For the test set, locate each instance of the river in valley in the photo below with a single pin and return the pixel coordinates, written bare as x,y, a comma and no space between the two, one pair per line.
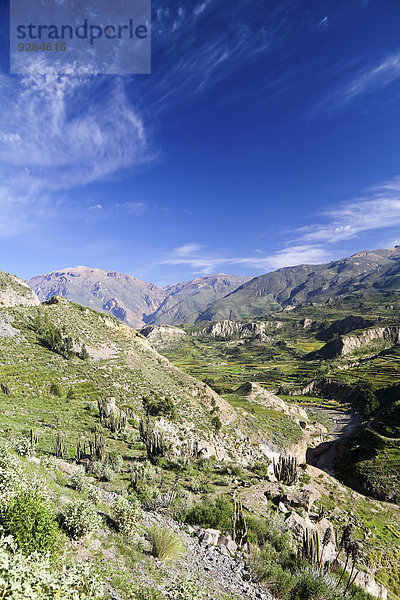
339,424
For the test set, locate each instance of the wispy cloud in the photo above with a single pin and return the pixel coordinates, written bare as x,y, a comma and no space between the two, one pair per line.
201,260
319,242
52,139
378,209
367,80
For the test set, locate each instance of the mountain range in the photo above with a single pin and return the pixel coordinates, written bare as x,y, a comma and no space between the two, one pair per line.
220,296
133,301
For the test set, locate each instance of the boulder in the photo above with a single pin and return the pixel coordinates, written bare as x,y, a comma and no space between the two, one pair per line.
210,537
110,406
303,499
297,526
68,468
370,585
227,542
282,508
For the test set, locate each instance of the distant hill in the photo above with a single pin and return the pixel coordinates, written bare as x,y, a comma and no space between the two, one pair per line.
376,271
186,300
131,300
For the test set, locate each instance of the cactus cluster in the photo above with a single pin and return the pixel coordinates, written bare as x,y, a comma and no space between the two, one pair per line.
310,547
154,440
5,389
285,470
239,525
116,422
60,444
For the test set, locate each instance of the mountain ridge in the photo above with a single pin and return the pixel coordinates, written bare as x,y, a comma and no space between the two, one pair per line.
132,300
365,271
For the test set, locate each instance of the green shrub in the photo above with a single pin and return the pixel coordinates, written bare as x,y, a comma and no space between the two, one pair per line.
117,462
31,522
271,529
80,518
216,423
166,545
79,481
159,406
11,473
312,585
55,389
37,578
182,504
212,515
94,494
108,473
126,514
23,446
184,589
267,568
261,470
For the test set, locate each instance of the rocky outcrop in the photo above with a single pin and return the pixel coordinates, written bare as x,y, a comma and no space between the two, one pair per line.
256,393
15,292
224,330
377,338
162,336
344,326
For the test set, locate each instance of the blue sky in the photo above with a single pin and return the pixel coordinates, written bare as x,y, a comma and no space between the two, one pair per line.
267,135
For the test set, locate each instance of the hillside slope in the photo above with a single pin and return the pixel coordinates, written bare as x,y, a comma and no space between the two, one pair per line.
15,292
376,271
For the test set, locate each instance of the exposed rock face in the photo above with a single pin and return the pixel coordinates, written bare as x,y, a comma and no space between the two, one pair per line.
256,393
226,329
162,336
15,292
344,326
370,585
345,345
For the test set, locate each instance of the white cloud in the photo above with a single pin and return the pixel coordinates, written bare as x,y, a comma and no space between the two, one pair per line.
197,258
54,137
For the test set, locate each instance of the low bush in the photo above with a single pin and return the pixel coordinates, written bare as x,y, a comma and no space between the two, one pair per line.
184,589
108,473
159,406
261,470
116,462
268,568
126,514
37,578
23,446
166,545
31,522
312,585
80,518
212,515
11,473
79,481
182,504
